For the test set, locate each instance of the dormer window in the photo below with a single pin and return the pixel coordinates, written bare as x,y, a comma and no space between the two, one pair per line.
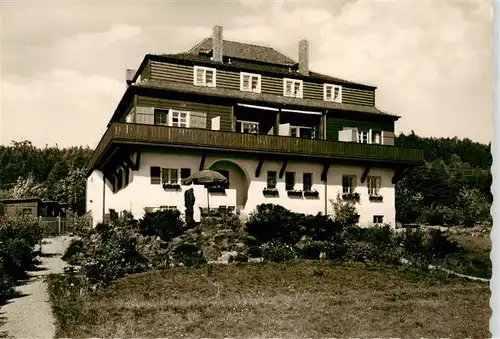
250,82
292,88
204,76
332,93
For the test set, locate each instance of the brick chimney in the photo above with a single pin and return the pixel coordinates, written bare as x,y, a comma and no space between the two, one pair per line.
304,57
130,75
217,44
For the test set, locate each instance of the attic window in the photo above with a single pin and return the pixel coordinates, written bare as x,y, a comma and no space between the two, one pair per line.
332,93
204,76
250,82
292,88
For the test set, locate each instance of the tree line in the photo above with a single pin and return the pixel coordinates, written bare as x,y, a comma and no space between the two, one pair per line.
451,187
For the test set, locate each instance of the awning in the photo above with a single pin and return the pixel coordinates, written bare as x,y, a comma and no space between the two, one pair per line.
259,107
299,111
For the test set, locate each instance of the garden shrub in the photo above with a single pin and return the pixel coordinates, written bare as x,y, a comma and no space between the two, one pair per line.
188,255
189,200
254,252
345,211
311,250
74,249
6,283
278,252
166,224
319,227
273,223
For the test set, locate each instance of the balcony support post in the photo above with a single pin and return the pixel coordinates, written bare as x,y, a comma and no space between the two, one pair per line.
259,167
277,123
202,161
283,168
324,173
365,174
399,174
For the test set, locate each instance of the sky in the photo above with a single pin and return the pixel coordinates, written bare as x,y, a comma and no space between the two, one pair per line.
63,63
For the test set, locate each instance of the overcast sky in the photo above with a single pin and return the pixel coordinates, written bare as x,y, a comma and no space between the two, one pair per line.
63,63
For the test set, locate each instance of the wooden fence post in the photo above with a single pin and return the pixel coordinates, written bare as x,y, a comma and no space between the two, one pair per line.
59,225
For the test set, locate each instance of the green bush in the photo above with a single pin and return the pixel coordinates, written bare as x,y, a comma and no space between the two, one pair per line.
345,211
6,283
166,224
188,255
277,252
189,200
273,223
312,250
75,248
254,252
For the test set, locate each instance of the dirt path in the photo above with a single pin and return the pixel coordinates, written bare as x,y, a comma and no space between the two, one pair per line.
30,316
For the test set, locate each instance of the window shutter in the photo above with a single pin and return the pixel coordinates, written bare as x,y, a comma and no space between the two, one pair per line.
185,172
155,175
198,120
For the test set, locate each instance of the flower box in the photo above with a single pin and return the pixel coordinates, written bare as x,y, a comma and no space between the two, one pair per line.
351,196
376,198
312,193
270,191
171,186
294,193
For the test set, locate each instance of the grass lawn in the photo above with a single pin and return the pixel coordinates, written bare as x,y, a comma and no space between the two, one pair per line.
292,300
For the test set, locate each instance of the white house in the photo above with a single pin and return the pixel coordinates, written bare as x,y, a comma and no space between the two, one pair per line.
279,132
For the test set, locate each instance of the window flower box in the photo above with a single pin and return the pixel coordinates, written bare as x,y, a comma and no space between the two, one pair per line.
376,198
216,189
294,193
270,191
311,193
171,186
351,196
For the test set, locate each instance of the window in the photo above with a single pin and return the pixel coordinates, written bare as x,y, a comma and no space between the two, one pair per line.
292,88
289,181
247,127
271,179
169,175
376,137
161,117
307,181
179,119
348,184
27,211
204,76
155,175
378,219
302,132
373,185
226,174
185,173
363,137
332,93
250,82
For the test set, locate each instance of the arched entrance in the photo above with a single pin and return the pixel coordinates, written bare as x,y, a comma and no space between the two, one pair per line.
237,179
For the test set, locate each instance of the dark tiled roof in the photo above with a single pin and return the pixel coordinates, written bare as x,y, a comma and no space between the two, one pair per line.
269,99
276,70
233,49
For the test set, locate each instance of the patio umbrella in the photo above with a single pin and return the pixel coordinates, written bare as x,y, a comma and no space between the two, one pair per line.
207,177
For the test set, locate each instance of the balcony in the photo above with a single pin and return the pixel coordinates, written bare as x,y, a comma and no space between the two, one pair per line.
151,135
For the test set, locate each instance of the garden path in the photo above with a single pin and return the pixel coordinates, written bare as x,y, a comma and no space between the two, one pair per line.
30,315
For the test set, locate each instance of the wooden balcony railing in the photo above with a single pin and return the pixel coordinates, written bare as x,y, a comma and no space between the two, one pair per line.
208,139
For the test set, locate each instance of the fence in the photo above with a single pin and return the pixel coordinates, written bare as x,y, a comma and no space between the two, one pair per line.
64,225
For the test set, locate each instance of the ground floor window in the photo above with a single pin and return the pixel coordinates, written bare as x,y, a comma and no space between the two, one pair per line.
373,186
307,181
289,181
185,173
169,175
348,184
271,179
378,219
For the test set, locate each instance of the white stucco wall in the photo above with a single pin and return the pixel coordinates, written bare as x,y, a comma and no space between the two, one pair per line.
140,193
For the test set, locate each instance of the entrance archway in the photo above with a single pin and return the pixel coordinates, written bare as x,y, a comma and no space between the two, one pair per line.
237,179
